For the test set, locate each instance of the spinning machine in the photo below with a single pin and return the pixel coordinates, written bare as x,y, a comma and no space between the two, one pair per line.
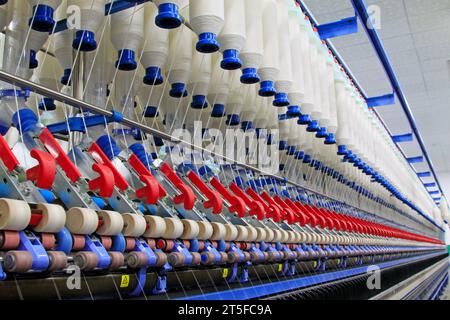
102,197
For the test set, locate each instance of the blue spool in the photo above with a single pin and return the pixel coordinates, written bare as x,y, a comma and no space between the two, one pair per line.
313,126
66,78
267,89
233,120
24,119
207,43
322,133
231,60
283,145
218,111
199,102
42,19
247,125
126,61
305,119
293,112
85,40
109,146
47,104
281,100
178,90
151,112
34,63
168,16
153,76
250,76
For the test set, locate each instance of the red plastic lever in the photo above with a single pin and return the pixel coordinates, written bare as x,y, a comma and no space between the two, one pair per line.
275,213
256,208
187,196
214,200
45,172
236,203
151,190
104,183
60,156
101,158
7,156
298,213
137,165
289,215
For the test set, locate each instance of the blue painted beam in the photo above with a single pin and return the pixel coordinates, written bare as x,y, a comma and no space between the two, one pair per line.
403,138
424,174
386,100
361,10
262,290
430,185
413,160
339,28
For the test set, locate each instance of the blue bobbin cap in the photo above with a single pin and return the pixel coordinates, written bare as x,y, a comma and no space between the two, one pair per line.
307,158
304,120
85,40
109,146
153,76
178,90
199,102
231,60
283,145
299,155
42,19
250,76
34,63
25,119
168,16
270,139
207,43
218,111
158,141
267,89
151,112
330,139
247,125
281,100
126,61
2,2
342,150
139,150
322,133
47,104
292,150
281,167
66,78
313,126
233,120
293,112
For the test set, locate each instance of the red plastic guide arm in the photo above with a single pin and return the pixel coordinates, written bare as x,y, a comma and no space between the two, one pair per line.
43,174
7,156
256,208
237,204
187,196
214,200
104,184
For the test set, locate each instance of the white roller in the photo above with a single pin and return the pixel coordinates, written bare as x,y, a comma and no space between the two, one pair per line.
14,214
233,36
53,218
269,235
207,20
231,232
82,221
252,234
261,234
190,229
219,231
127,36
156,226
134,225
242,233
174,228
205,230
156,48
112,223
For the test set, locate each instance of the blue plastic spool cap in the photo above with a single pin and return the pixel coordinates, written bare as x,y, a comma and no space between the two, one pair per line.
158,141
2,2
126,61
47,195
178,90
307,158
139,150
42,19
66,78
231,60
342,150
270,139
247,125
292,150
283,145
47,104
299,155
109,146
250,76
330,139
24,119
168,16
233,120
313,126
218,111
151,112
322,133
267,89
85,40
34,63
282,166
304,120
199,102
293,112
207,43
153,76
281,100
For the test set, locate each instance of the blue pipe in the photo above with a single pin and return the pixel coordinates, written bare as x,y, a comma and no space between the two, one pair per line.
361,10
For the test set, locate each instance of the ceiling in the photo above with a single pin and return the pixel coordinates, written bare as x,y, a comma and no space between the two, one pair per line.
416,36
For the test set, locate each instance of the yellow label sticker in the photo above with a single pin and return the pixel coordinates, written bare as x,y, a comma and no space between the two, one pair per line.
315,264
225,273
125,282
280,267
